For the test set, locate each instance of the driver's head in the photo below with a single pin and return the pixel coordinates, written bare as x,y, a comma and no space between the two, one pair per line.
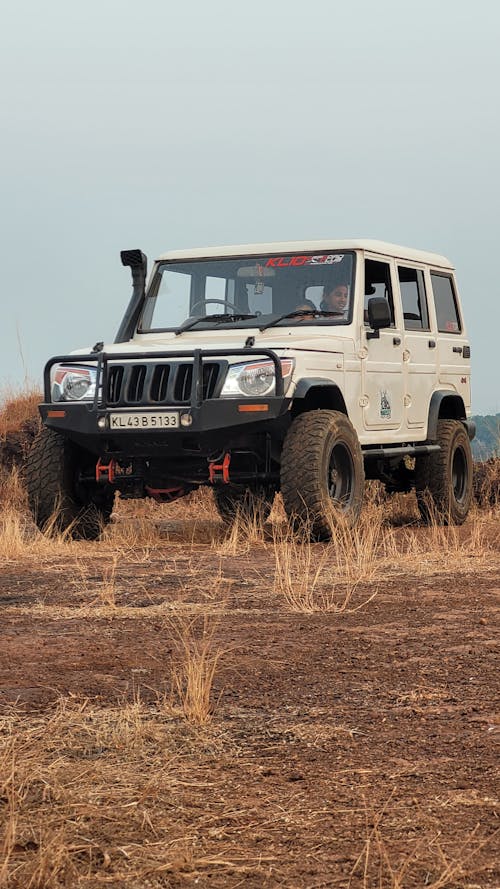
306,307
335,299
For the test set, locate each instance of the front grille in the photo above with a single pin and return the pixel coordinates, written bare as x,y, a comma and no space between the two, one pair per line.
114,384
135,388
165,383
159,382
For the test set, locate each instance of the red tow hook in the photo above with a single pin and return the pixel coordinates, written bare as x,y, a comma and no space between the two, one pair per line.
223,468
105,472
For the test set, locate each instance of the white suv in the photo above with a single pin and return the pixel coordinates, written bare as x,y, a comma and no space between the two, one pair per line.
301,367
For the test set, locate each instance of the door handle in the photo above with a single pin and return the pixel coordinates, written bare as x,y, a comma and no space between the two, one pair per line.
458,349
432,344
396,341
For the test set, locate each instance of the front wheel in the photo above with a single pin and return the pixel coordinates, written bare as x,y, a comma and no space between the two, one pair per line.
55,498
322,472
443,480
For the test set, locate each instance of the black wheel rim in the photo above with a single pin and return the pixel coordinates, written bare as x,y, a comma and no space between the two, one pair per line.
459,475
341,476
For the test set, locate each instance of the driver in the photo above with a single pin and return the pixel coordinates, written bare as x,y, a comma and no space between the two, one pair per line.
305,306
335,299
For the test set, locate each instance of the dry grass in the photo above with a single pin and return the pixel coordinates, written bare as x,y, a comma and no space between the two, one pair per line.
126,796
327,578
378,866
138,793
244,533
17,407
81,784
311,577
102,592
21,540
487,482
196,660
12,491
169,785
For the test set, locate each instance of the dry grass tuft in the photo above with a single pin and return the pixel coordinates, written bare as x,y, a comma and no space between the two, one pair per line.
311,577
487,482
104,591
12,491
244,532
20,538
17,535
196,659
437,548
16,408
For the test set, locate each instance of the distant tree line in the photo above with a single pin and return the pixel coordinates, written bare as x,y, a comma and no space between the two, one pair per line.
487,441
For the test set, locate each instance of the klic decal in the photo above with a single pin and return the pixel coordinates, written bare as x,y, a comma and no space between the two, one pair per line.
285,262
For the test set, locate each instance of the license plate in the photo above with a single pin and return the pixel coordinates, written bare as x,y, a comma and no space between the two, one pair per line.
144,420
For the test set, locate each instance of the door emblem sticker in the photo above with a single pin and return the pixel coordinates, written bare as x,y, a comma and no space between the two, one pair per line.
385,405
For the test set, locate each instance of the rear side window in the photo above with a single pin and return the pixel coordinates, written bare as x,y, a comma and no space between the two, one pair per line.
448,318
413,298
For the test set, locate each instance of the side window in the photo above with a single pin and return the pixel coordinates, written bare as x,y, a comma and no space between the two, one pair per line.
378,283
413,298
448,319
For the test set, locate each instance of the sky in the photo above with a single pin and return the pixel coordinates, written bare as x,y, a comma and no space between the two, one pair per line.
165,125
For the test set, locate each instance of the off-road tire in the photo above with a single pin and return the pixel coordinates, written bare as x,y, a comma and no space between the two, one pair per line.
57,505
443,480
252,504
322,472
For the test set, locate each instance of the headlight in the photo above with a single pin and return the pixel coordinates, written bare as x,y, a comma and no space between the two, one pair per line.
72,382
255,379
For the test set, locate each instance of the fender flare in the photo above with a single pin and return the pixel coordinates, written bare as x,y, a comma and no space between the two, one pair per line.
307,384
455,410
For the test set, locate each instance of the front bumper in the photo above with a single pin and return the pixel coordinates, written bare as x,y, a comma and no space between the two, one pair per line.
215,423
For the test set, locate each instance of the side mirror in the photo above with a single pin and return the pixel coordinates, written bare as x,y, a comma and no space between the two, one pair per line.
379,314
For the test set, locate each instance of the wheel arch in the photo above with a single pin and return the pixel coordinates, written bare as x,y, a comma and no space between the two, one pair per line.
446,405
315,393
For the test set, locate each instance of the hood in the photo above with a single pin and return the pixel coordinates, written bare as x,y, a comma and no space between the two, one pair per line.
284,339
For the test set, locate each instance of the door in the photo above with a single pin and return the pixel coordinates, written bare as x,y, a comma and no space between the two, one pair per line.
420,346
452,343
382,364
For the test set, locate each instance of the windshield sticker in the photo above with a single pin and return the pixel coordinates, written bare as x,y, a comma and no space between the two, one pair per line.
284,262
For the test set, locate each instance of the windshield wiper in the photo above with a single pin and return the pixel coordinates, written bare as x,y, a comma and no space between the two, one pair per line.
314,313
228,316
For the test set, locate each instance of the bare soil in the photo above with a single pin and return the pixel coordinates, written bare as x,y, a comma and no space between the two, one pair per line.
354,749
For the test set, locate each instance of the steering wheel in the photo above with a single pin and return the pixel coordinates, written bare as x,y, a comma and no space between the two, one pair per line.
221,302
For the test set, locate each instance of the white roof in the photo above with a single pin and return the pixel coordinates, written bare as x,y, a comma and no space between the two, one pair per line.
282,247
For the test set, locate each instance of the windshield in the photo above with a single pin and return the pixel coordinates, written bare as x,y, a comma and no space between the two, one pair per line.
261,287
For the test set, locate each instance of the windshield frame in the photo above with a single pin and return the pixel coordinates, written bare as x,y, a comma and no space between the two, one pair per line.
249,323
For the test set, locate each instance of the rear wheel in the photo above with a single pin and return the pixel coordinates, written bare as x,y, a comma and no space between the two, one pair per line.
248,503
322,472
443,480
56,499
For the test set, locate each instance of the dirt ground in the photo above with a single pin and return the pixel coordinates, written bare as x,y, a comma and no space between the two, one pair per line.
352,747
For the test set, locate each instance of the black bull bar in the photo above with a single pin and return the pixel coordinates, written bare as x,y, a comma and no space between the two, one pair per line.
101,361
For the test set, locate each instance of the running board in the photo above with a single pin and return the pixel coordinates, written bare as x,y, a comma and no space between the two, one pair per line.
400,451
